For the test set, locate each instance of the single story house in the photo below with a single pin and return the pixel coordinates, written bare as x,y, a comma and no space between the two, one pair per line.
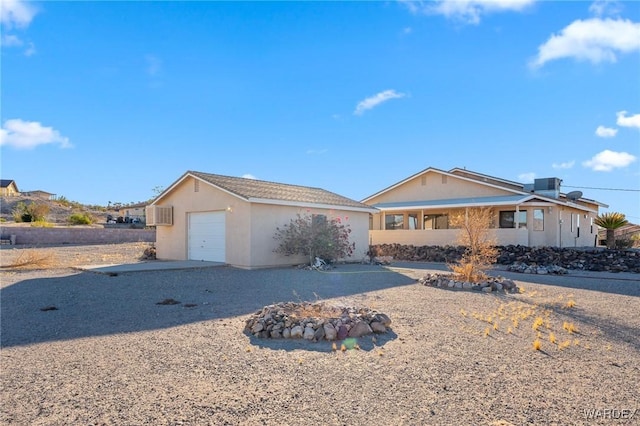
204,216
417,209
8,188
133,212
38,193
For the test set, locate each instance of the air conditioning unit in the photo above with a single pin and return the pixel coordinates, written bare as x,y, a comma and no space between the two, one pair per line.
549,187
159,216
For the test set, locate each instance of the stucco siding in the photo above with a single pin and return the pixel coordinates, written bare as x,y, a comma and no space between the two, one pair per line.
172,240
265,218
435,188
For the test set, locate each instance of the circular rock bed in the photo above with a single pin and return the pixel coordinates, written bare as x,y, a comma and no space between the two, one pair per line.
315,322
487,286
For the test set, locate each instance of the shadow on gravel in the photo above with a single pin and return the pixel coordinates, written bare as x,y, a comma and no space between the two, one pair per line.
88,304
364,343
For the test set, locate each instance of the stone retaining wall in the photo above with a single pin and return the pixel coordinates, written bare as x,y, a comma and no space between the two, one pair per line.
73,235
569,258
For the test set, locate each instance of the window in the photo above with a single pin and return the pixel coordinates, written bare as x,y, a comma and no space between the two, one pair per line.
436,221
318,219
508,219
394,221
413,220
538,219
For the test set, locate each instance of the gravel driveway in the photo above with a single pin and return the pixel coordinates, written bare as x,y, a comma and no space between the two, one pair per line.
109,354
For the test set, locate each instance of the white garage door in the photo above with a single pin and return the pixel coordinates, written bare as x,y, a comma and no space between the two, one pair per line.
207,236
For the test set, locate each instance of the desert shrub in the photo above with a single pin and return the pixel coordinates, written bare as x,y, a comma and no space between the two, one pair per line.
623,243
480,251
80,219
315,236
31,212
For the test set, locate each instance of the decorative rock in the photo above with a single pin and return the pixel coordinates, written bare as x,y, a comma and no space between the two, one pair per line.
284,321
458,284
309,333
378,327
319,334
330,333
275,334
360,329
467,286
296,332
343,332
486,289
382,318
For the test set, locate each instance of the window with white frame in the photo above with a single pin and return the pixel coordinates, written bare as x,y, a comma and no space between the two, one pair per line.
393,221
509,219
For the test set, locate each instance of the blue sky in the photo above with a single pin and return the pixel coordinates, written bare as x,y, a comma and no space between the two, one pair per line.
105,101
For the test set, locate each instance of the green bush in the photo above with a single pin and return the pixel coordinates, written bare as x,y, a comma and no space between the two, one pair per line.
80,219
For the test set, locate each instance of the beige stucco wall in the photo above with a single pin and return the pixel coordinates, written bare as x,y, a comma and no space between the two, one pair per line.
265,218
435,189
250,227
171,241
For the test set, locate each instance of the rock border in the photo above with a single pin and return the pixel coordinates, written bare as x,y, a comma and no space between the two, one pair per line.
491,284
281,321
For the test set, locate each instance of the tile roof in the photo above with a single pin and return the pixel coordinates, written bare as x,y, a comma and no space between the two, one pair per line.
4,183
251,189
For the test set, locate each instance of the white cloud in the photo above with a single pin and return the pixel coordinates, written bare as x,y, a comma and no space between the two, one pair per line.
29,134
596,40
16,13
30,50
377,99
565,165
248,176
467,11
630,121
407,30
607,160
605,7
606,132
527,177
9,40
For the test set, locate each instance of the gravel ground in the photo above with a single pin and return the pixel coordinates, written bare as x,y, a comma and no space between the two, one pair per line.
109,354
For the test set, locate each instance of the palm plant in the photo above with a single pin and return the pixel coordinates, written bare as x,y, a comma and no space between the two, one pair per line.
611,221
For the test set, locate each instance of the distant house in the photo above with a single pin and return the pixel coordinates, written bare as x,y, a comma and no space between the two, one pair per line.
8,188
40,194
133,212
626,232
233,220
417,209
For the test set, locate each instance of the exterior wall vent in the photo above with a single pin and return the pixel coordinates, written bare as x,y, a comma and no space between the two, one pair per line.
159,216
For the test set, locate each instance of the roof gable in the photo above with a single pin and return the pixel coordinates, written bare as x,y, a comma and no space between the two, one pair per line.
260,191
492,184
5,183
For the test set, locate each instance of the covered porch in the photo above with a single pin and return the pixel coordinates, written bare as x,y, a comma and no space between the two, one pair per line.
428,222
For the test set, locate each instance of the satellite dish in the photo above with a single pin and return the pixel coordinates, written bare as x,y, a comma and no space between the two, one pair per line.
574,195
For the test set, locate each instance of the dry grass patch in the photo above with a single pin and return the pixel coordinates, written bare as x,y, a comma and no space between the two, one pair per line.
33,259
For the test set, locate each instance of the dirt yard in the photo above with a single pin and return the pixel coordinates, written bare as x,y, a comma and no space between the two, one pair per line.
86,348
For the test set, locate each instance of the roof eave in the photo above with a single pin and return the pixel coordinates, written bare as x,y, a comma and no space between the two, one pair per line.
371,210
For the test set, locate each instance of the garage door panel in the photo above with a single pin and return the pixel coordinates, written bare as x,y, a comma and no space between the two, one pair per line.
207,237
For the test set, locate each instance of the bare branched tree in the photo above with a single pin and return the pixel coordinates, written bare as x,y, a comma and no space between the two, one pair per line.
480,253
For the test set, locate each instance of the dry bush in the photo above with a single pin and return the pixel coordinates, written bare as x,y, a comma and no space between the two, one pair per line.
480,251
33,259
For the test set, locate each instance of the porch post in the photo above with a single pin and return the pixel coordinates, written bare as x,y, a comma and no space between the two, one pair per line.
517,216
